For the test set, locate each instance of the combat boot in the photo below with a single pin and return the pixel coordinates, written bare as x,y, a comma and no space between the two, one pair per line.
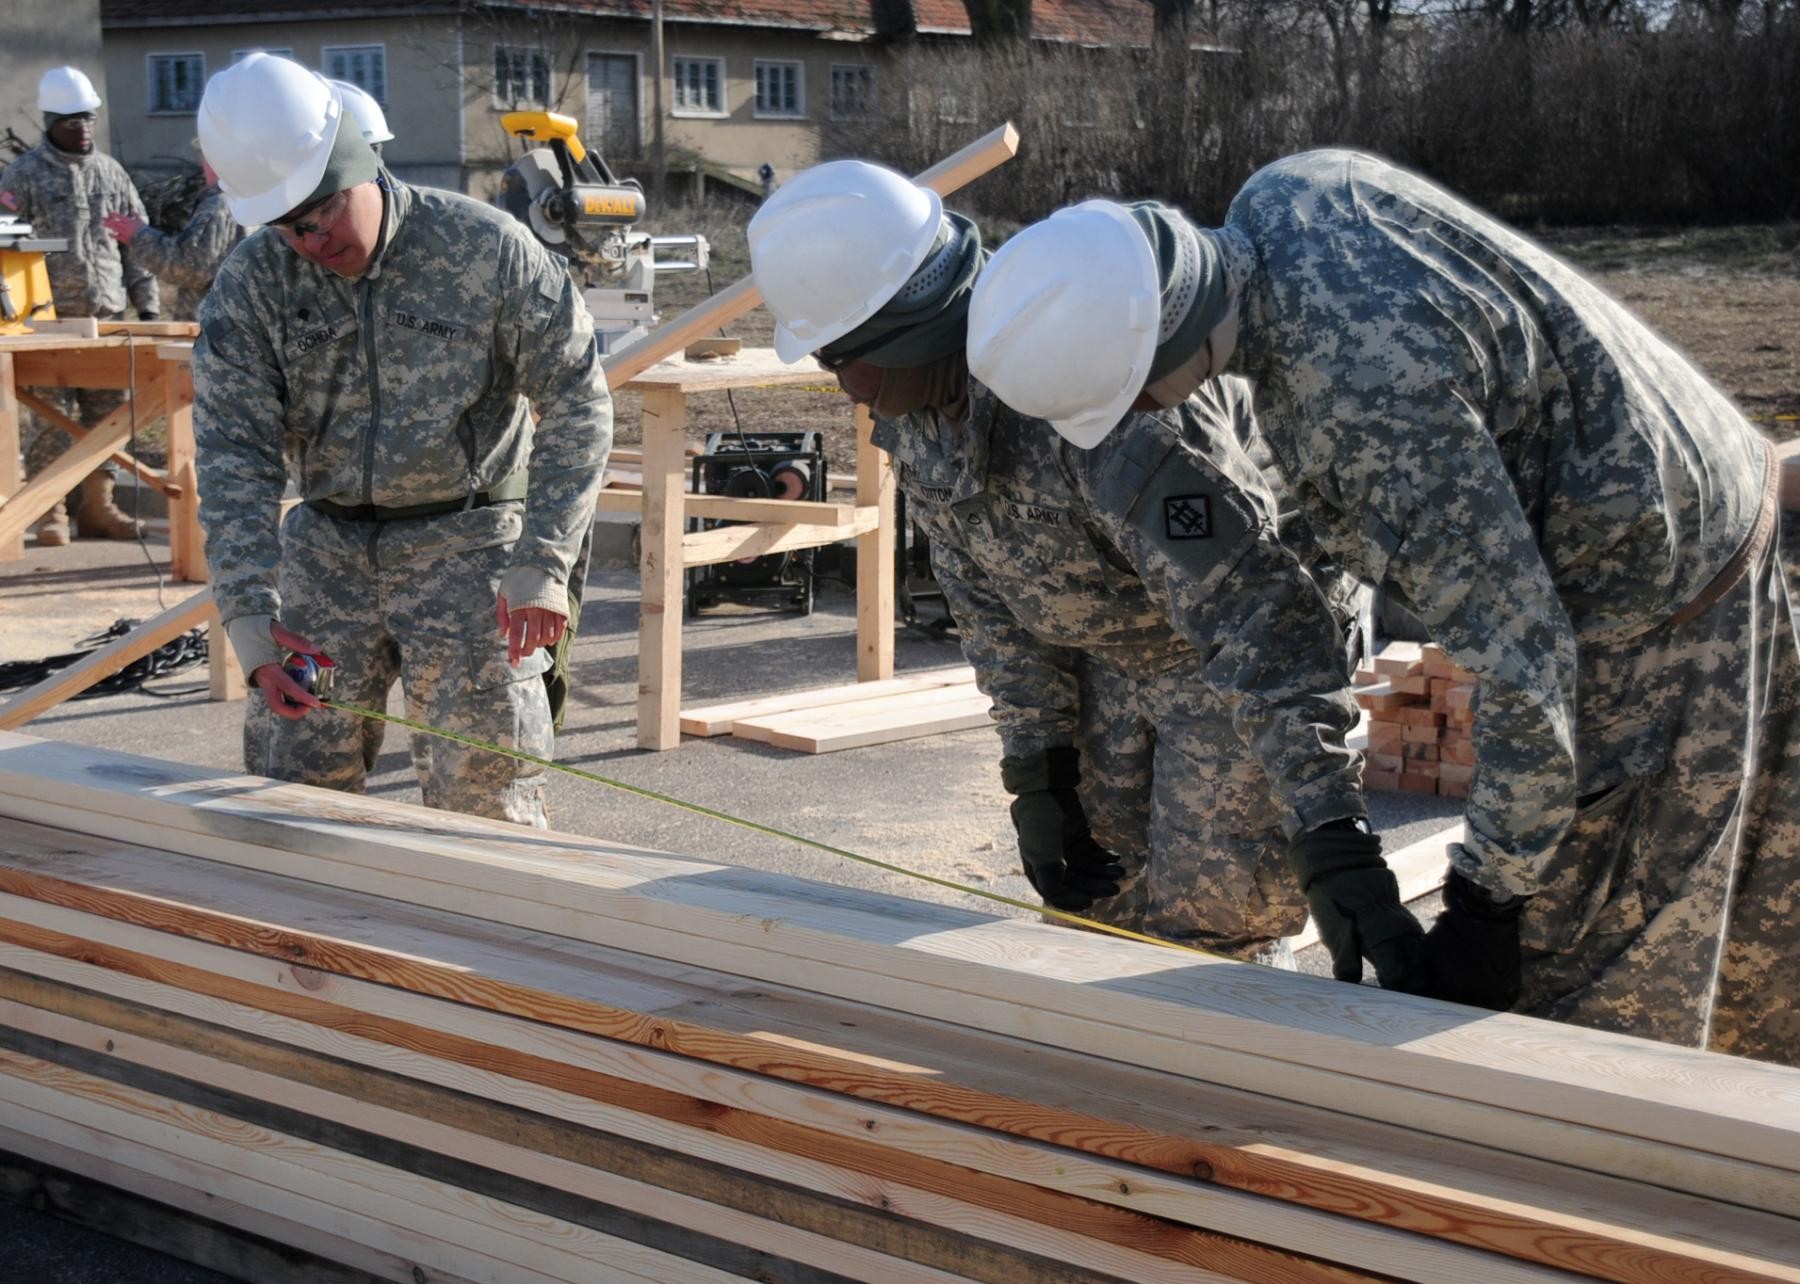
53,529
99,517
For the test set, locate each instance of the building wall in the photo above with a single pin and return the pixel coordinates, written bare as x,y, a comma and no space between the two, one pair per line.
736,138
421,61
441,104
36,36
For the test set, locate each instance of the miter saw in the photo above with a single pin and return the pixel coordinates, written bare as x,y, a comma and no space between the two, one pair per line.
24,280
574,205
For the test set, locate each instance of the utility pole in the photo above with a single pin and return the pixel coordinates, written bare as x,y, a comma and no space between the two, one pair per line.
658,161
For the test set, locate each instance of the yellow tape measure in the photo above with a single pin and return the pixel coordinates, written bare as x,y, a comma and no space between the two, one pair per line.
1074,920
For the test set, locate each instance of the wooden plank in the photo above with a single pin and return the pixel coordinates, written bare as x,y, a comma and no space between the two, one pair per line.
232,1238
875,589
153,329
729,543
187,541
195,1190
70,327
108,660
78,430
782,1125
949,175
172,1158
1242,1025
647,1182
855,710
1473,1196
733,509
873,722
660,573
12,547
514,1236
43,492
716,719
1419,867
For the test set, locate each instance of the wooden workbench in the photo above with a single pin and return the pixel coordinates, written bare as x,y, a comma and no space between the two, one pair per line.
771,526
147,360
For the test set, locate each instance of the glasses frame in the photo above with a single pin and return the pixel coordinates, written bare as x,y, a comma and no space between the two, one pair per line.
301,223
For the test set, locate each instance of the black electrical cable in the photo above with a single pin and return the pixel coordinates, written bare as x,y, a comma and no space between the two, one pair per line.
172,657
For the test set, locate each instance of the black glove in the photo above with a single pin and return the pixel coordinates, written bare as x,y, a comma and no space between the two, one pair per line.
149,316
1355,900
1472,951
1069,869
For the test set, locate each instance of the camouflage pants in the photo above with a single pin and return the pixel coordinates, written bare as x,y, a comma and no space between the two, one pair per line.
412,601
1170,788
1672,908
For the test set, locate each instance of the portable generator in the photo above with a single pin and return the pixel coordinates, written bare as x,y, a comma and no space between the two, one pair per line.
767,465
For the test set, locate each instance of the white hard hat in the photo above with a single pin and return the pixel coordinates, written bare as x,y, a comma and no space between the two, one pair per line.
1063,323
66,91
266,127
834,244
366,111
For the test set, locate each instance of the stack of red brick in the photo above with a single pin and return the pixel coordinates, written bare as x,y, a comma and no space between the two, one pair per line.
1421,713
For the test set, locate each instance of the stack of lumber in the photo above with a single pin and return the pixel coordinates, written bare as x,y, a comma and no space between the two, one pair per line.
1421,719
434,1047
851,716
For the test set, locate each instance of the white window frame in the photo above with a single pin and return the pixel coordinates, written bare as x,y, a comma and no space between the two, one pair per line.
325,52
527,104
637,57
867,71
697,113
238,55
150,60
756,108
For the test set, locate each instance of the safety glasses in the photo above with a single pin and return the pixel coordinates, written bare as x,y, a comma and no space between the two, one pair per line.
315,219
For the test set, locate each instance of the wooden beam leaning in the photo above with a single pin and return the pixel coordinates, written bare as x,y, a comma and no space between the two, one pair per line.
78,430
41,493
108,660
1455,1191
1686,1120
951,174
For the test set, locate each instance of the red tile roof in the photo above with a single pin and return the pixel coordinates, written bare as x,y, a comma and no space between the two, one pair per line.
1085,22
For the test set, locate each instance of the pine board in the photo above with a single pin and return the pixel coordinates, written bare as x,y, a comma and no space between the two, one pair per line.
1234,1023
1117,1212
871,722
716,719
73,1108
429,1131
969,1203
1472,1197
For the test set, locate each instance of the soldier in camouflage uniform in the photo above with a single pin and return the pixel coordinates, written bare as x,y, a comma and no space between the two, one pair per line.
1580,518
1168,682
190,258
386,345
64,189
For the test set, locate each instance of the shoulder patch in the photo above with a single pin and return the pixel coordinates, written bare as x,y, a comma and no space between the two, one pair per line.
1187,516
